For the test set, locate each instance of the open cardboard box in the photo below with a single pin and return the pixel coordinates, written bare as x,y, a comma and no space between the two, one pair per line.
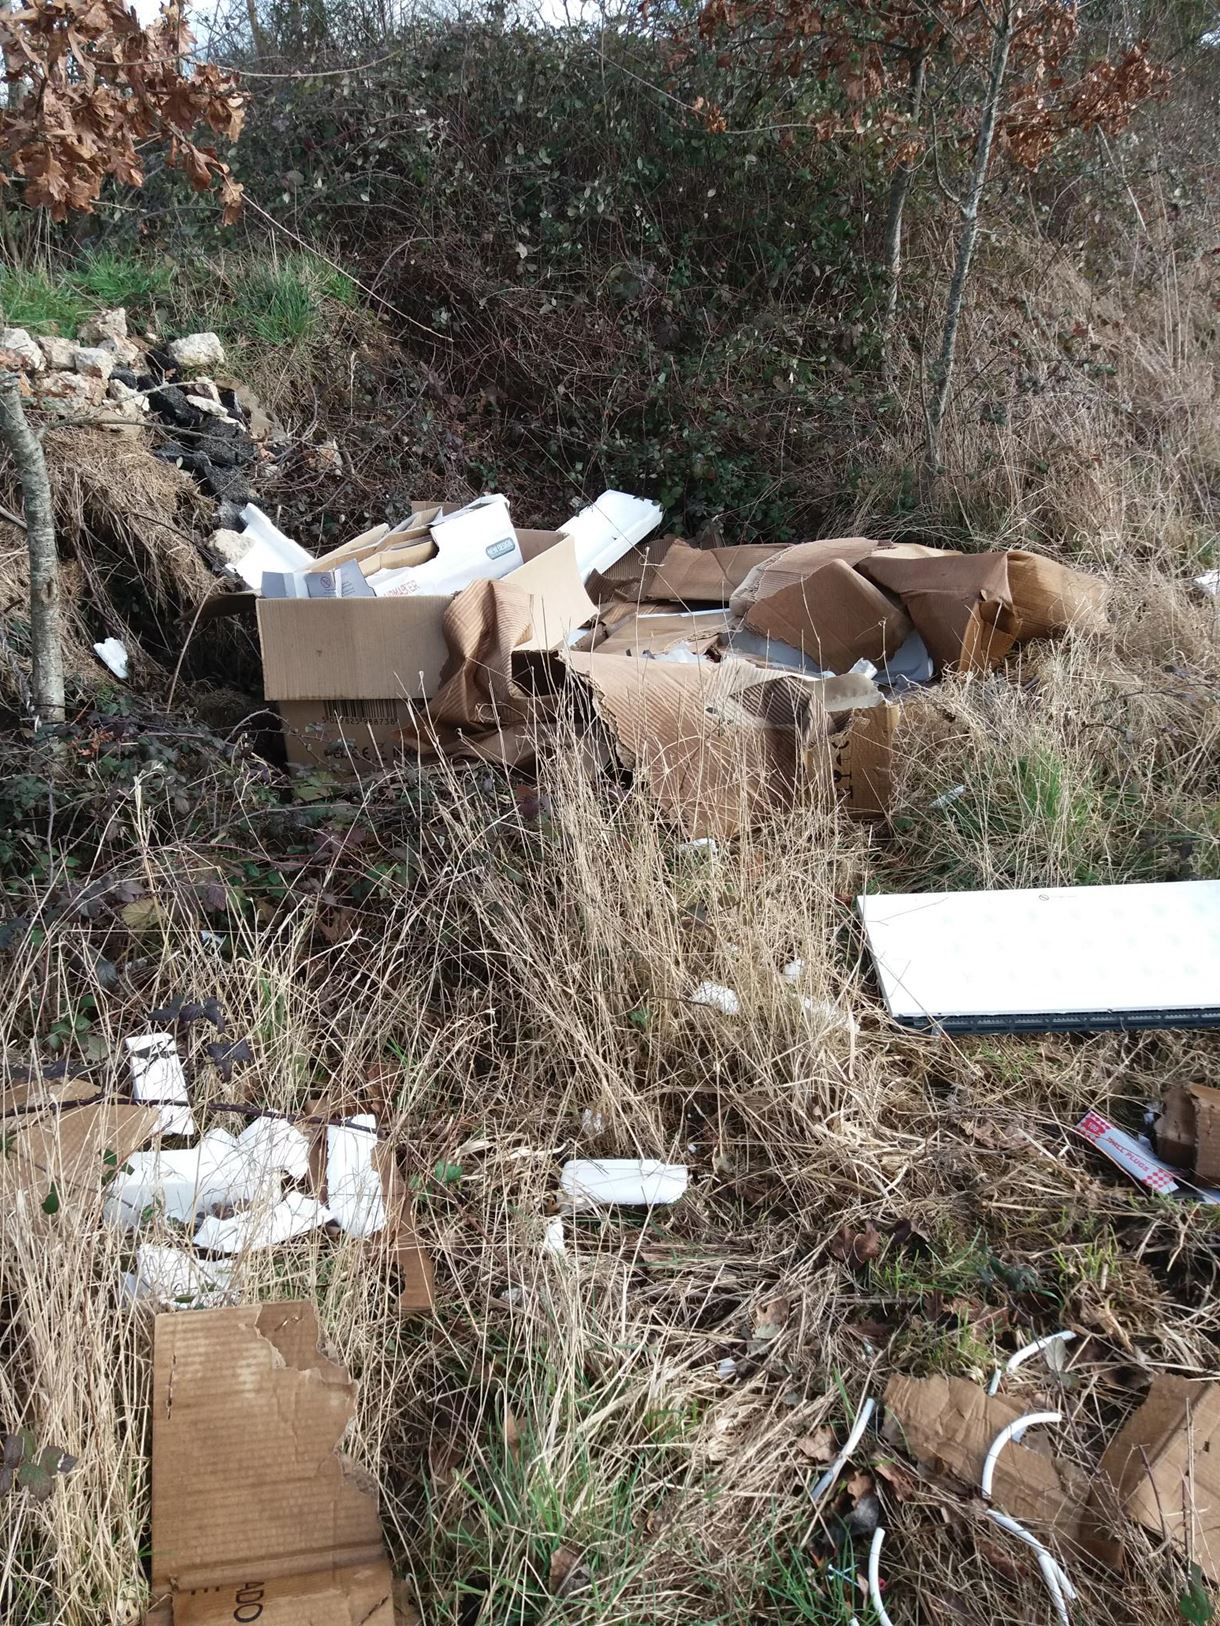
347,675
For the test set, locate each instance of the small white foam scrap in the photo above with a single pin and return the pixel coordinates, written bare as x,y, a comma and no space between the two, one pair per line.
354,1191
592,1122
157,1079
726,1369
553,1238
274,1143
630,1181
1209,581
832,1015
175,1279
719,997
793,971
261,1227
113,654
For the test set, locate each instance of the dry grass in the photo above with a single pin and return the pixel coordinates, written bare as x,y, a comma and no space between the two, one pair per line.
507,975
513,979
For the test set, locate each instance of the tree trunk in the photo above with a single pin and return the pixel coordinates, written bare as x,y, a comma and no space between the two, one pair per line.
900,187
45,651
942,376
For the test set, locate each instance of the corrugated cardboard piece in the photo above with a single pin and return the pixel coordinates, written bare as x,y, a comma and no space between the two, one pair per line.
1164,1467
252,1502
1188,1130
72,1147
948,1424
834,616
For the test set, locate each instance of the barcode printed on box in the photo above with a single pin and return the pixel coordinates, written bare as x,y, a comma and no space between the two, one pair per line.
363,711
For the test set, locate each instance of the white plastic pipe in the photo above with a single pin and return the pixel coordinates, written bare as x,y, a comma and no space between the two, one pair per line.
1025,1354
867,1407
1054,1576
874,1576
1013,1431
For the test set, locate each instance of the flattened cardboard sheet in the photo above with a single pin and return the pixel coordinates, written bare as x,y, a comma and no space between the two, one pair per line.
1164,1467
1188,1130
248,1484
948,1424
1073,959
701,575
833,616
75,1148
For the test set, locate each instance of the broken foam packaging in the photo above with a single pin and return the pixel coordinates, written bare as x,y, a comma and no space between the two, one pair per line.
631,1182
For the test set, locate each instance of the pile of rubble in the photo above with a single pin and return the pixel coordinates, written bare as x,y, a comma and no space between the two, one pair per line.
205,421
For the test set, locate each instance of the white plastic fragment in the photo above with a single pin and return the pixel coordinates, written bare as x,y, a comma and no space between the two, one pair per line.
592,1122
726,1369
220,1170
113,654
354,1192
831,1475
1209,581
605,530
157,1079
718,997
793,971
274,1143
175,1279
1011,1431
182,1183
833,1016
1027,1352
949,797
589,1183
268,549
260,1227
553,1238
700,844
874,1577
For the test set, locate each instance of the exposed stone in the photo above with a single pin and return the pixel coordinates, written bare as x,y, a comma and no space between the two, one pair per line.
108,325
60,354
94,363
205,386
197,353
128,399
71,395
19,343
126,352
205,403
257,419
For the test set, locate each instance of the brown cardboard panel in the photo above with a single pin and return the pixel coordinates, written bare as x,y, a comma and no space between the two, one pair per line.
707,738
1164,1467
351,649
833,616
702,575
551,579
948,1424
1188,1130
357,1595
247,1478
862,760
1048,597
345,736
955,601
77,1147
23,1099
795,564
636,631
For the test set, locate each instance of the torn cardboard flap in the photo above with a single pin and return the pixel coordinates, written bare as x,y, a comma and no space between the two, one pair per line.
248,1484
1163,1467
77,1148
696,734
697,575
955,601
833,616
948,1425
791,566
1188,1130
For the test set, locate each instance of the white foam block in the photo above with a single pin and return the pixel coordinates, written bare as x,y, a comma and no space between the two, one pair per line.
157,1079
1071,958
354,1193
262,1227
631,1181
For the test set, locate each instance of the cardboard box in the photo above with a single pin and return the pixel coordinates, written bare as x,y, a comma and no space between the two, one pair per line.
256,1514
347,676
1188,1130
1163,1467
